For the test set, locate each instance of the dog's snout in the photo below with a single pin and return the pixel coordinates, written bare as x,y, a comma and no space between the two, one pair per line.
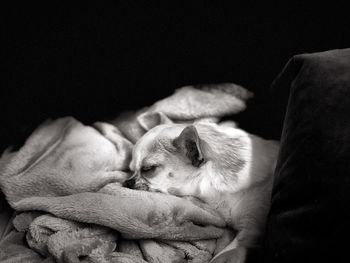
136,183
130,183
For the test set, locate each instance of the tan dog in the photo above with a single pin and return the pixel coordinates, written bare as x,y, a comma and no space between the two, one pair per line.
223,166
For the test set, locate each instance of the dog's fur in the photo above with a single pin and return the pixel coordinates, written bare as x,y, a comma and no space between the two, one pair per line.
222,165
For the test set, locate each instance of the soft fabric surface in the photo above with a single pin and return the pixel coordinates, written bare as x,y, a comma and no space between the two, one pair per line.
65,185
310,216
189,103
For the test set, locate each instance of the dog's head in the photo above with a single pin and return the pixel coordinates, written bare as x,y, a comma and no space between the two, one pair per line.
188,159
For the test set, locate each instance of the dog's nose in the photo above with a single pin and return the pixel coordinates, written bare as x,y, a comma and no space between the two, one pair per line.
130,183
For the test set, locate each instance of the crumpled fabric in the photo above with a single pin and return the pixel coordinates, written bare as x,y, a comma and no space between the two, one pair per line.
65,184
189,103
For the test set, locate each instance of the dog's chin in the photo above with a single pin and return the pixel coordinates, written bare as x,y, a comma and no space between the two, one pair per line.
140,185
144,186
136,184
155,190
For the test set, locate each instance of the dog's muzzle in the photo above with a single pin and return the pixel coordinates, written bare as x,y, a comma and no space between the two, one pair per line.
137,183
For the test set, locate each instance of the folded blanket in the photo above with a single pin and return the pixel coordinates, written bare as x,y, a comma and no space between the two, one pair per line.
188,104
75,173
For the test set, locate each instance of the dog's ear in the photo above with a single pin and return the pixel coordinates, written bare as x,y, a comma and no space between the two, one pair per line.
149,120
190,144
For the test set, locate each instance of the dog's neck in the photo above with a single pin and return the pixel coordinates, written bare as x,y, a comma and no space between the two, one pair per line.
235,166
231,204
227,190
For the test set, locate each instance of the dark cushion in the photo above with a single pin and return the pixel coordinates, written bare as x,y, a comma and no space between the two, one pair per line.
310,213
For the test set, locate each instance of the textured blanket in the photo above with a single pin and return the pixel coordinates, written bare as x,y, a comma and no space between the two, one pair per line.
65,185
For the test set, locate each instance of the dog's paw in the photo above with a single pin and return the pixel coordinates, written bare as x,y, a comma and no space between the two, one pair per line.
237,255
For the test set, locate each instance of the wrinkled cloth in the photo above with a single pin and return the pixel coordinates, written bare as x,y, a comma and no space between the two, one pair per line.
75,173
193,102
72,171
189,103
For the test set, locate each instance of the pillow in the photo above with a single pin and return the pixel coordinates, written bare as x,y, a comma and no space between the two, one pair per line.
310,211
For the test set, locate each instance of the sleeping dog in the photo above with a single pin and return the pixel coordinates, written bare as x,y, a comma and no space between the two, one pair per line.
224,166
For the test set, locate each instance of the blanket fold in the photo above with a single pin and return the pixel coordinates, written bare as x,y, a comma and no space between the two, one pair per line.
66,185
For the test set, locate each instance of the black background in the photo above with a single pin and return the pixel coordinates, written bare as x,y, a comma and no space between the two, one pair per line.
93,59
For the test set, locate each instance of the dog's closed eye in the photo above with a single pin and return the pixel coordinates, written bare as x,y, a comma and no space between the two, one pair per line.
148,169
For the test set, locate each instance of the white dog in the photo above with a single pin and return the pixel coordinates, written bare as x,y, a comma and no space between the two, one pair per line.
222,165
